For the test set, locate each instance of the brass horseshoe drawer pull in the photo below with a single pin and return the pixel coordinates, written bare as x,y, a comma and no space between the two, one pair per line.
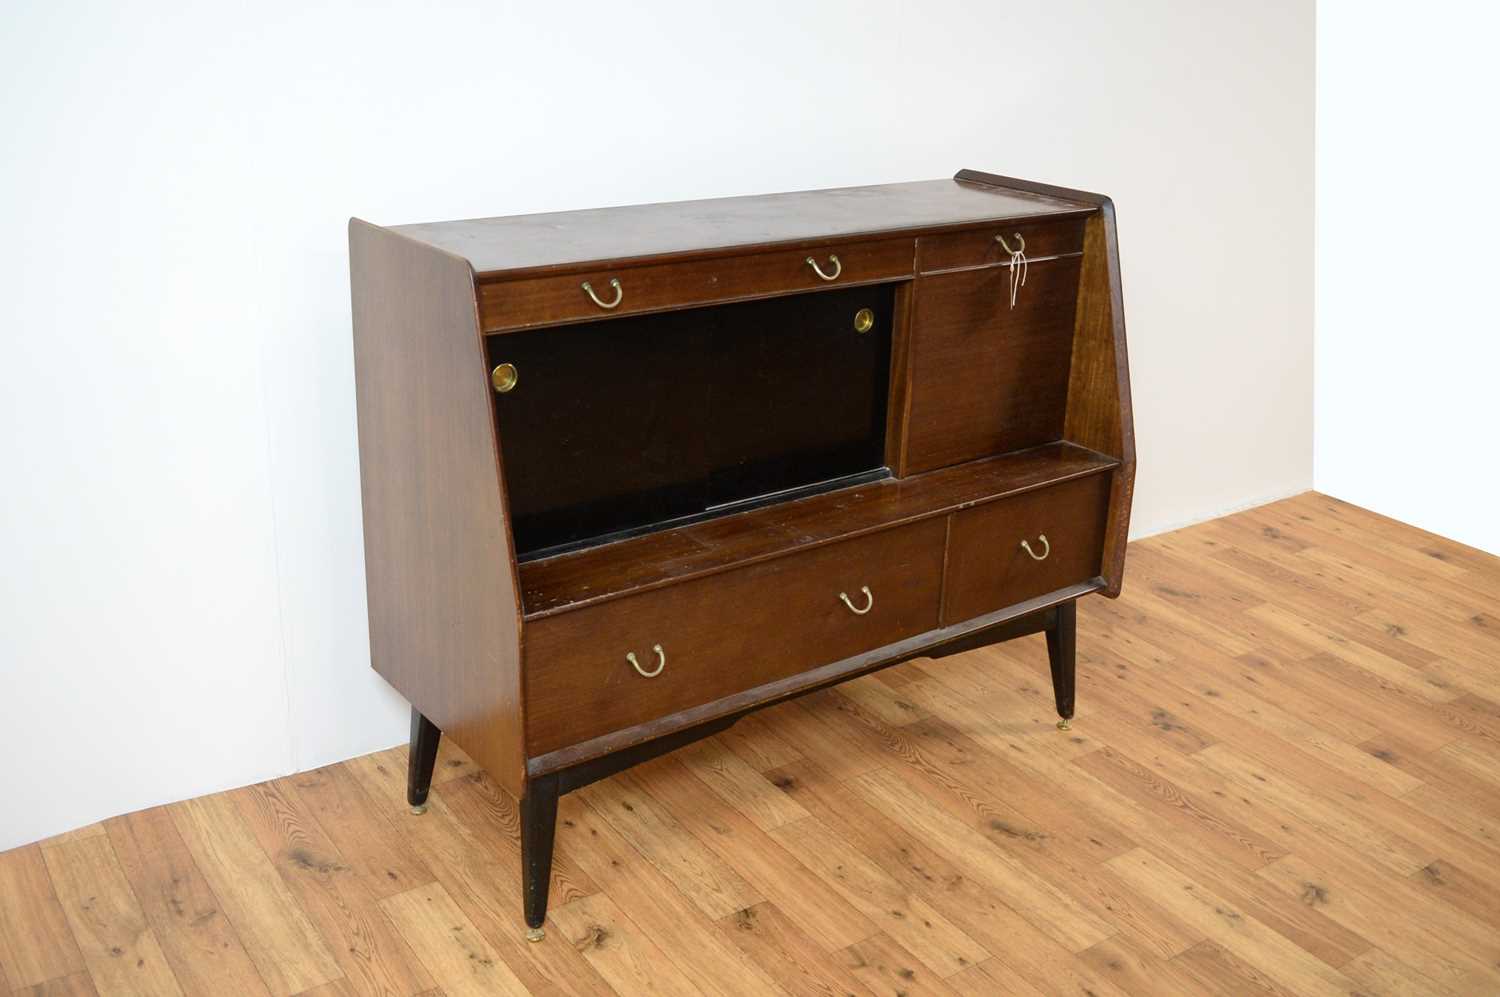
869,601
1046,548
838,267
619,293
661,662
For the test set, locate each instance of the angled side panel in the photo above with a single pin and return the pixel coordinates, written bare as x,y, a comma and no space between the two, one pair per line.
1099,412
439,569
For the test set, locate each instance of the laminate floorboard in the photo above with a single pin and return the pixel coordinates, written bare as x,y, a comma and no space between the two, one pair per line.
1283,778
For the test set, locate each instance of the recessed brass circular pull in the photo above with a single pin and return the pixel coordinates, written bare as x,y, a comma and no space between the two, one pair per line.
1046,548
838,267
614,283
661,662
869,601
504,377
864,320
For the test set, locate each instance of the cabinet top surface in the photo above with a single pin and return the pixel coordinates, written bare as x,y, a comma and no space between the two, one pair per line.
642,231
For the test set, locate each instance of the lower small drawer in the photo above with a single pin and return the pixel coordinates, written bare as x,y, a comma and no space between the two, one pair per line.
726,633
1062,529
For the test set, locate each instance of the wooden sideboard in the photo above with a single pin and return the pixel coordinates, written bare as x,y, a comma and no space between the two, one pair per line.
631,473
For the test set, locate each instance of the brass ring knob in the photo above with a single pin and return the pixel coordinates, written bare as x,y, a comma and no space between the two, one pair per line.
504,377
838,267
869,601
1046,548
661,662
614,282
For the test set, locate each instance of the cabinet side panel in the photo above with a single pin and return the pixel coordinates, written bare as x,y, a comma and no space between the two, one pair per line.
1099,412
439,569
1093,418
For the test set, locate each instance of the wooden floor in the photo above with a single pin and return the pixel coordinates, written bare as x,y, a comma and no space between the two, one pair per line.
1284,778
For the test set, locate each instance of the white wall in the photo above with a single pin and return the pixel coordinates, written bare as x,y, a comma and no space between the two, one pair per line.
183,602
1408,330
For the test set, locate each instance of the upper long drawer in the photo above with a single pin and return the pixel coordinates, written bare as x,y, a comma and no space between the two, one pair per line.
524,303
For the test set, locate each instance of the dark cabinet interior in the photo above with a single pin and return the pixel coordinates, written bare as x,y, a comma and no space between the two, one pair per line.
632,424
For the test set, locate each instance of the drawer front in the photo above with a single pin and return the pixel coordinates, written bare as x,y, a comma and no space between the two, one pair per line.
986,378
980,248
726,633
521,304
988,569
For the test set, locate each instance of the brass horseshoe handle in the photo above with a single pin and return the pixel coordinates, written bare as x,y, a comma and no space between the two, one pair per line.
619,293
869,601
1046,548
661,662
1006,246
838,267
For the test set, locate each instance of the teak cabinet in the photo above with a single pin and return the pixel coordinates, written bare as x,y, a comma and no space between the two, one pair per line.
631,473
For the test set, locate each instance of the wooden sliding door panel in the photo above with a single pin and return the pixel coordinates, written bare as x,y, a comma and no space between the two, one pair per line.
986,377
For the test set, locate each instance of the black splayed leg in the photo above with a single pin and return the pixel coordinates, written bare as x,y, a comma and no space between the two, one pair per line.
538,822
1062,654
421,757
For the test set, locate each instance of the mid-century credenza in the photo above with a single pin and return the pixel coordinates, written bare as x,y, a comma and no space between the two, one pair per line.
631,473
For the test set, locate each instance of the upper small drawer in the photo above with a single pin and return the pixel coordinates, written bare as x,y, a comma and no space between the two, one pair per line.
979,247
527,302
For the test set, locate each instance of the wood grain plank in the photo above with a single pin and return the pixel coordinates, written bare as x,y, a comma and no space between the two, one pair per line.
275,930
450,947
199,943
480,871
119,947
739,785
622,953
347,816
907,920
1364,904
775,873
1069,922
702,953
714,886
76,985
36,944
757,744
333,892
883,967
1129,966
799,965
1236,932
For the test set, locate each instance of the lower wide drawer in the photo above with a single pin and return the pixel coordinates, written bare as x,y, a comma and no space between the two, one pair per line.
1062,530
726,633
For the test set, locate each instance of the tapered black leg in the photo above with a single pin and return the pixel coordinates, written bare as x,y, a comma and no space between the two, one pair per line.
420,759
538,822
1062,654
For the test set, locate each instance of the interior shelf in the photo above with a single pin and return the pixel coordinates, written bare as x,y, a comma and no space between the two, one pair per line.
568,581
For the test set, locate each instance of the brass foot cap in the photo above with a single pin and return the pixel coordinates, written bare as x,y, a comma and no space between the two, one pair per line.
535,934
419,809
1066,723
